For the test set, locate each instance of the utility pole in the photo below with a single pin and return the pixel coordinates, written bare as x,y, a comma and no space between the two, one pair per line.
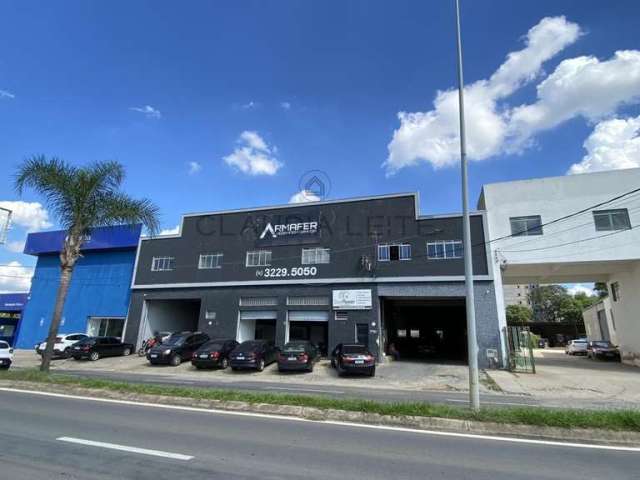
472,343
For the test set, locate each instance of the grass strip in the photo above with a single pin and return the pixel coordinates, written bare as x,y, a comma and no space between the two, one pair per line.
619,420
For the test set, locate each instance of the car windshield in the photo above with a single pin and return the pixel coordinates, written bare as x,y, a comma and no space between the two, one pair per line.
174,340
212,346
602,344
87,341
248,346
4,345
349,349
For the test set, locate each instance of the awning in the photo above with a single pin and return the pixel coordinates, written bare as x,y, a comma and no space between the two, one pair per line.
308,316
258,315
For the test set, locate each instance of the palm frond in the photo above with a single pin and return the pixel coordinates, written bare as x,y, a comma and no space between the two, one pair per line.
119,208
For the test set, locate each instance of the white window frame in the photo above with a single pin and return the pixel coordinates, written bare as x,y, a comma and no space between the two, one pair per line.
261,257
163,264
209,261
315,256
609,214
443,244
384,252
527,231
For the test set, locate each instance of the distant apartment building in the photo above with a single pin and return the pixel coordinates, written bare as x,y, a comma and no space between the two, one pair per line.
517,295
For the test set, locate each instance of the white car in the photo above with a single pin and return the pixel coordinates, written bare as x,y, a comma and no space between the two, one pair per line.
6,355
62,346
576,347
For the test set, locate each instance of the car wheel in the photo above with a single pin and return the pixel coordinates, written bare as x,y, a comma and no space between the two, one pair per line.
260,365
176,360
235,369
94,356
67,352
333,363
224,364
372,372
5,367
126,352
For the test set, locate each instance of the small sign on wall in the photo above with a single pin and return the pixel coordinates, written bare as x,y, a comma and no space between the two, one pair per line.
352,299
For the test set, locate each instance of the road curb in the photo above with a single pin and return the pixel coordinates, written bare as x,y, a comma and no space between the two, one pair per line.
577,435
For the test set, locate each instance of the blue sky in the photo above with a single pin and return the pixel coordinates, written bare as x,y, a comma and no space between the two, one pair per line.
158,85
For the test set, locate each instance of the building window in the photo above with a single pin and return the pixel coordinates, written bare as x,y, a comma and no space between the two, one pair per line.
307,301
608,220
526,226
341,316
444,249
210,260
163,264
392,253
312,256
258,301
615,291
259,258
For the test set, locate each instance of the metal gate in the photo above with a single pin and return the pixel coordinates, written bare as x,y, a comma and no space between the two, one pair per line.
520,350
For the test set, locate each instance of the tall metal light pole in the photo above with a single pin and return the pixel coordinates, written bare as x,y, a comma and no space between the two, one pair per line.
472,343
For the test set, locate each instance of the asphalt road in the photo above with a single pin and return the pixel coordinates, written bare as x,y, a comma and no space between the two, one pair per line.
44,437
376,394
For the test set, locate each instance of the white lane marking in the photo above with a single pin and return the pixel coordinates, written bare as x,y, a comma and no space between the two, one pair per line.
125,448
493,403
472,436
315,390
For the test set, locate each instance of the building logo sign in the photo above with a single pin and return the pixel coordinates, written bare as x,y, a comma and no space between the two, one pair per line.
289,229
352,299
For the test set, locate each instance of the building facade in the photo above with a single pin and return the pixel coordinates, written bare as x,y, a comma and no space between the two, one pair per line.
368,270
11,307
98,297
574,228
517,295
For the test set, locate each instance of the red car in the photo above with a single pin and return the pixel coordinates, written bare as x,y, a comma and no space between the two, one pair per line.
353,358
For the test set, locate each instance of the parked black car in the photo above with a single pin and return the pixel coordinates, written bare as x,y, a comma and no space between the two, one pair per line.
176,348
94,348
353,358
298,355
214,353
253,354
602,349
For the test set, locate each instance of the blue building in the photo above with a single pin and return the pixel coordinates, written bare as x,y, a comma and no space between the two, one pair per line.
98,297
11,306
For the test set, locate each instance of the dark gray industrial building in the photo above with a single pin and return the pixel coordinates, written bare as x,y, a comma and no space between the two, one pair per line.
369,269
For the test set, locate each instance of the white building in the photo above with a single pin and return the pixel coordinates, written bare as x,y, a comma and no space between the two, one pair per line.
576,228
599,321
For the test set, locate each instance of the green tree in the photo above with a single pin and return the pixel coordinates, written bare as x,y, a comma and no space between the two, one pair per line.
546,302
600,289
518,314
80,198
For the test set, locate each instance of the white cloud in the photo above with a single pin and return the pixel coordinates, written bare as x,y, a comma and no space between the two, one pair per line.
15,278
285,105
582,86
433,136
614,144
253,156
250,105
170,231
586,288
6,94
194,167
16,246
30,215
304,196
148,111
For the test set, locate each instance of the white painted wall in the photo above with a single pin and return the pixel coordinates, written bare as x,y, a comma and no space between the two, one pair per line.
592,322
626,314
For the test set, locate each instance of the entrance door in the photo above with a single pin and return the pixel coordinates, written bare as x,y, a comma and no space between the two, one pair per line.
257,325
362,334
105,327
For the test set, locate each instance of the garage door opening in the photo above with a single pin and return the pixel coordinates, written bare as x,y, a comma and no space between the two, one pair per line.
257,325
171,316
426,329
309,325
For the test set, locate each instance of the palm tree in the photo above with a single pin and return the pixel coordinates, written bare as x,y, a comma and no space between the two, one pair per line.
80,198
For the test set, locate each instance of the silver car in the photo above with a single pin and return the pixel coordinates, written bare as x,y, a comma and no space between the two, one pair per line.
576,347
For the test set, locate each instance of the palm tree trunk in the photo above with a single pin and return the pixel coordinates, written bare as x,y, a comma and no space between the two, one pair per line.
63,288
